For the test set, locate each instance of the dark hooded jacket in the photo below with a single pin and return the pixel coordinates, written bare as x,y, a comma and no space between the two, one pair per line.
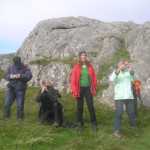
25,76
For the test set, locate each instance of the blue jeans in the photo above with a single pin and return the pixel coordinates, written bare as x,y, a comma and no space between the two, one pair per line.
129,103
11,95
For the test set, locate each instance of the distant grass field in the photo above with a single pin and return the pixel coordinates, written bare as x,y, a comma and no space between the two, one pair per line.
31,135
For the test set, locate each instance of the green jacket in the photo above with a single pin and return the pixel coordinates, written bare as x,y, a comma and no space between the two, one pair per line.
122,85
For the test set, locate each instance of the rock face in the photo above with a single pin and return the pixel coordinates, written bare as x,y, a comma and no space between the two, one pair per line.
65,37
53,43
138,44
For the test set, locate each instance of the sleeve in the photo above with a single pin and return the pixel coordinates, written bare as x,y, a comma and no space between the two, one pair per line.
7,75
112,77
94,78
27,75
73,81
38,97
94,82
132,75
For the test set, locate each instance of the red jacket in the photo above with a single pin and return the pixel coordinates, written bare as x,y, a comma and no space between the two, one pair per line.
75,80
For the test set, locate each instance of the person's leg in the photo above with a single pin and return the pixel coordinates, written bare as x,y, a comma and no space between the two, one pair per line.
20,97
118,115
80,103
9,99
41,114
40,111
135,105
58,114
45,117
131,112
89,101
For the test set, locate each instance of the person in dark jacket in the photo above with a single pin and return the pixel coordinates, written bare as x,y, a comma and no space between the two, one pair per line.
51,110
17,76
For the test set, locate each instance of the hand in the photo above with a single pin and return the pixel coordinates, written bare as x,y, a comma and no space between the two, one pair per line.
129,67
18,76
13,76
117,70
43,88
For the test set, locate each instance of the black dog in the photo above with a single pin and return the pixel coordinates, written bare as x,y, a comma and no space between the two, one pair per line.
51,110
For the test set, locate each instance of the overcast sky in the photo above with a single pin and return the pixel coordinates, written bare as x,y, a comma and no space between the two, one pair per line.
18,17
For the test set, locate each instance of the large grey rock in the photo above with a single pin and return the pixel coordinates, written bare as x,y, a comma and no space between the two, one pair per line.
65,37
139,48
56,40
138,44
57,73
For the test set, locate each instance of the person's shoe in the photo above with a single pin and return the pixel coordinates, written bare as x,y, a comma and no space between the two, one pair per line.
117,134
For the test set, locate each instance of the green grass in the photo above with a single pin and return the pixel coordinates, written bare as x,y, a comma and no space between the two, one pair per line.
45,61
1,74
30,135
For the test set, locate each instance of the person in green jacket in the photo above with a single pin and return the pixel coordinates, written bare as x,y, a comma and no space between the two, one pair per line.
122,79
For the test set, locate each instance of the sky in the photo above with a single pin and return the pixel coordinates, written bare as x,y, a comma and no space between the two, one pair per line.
19,17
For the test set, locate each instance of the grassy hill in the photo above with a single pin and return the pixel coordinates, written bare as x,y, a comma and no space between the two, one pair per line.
31,135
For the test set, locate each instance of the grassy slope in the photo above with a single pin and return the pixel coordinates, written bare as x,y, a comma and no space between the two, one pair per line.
30,135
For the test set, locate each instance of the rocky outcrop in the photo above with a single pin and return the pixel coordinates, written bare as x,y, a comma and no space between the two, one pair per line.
53,44
65,37
138,45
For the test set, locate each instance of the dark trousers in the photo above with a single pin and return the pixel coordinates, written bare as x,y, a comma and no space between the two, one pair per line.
11,95
85,93
129,103
58,113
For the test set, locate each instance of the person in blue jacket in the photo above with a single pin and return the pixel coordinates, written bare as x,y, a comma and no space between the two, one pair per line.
17,76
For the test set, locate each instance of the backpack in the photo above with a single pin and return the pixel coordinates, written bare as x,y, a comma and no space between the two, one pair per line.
137,87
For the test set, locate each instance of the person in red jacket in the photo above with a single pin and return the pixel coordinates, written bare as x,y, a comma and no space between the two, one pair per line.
83,85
